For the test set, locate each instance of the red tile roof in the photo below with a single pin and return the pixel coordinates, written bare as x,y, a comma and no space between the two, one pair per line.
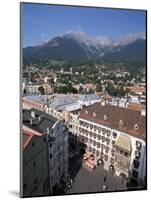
114,114
28,134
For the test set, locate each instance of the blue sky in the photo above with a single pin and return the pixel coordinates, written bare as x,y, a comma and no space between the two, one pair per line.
42,22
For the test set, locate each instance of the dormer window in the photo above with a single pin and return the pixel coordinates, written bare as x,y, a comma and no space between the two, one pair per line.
94,114
136,127
121,123
105,117
86,112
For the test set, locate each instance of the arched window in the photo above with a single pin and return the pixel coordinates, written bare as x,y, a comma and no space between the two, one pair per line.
94,114
121,123
136,127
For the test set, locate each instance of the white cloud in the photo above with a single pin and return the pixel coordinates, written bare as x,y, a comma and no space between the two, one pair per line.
131,37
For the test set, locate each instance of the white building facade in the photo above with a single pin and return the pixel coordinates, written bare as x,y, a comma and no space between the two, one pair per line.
118,149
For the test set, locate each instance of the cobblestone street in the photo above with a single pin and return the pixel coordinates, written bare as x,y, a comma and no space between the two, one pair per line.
93,181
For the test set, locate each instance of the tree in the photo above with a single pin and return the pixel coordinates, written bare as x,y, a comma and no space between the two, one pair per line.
80,89
99,87
65,89
41,90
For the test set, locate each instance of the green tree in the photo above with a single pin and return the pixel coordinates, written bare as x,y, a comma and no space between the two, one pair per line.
99,87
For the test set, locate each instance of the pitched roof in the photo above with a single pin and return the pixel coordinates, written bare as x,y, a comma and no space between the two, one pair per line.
61,101
89,97
41,122
38,99
114,115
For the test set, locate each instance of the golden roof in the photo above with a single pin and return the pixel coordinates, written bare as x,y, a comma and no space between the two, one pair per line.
124,142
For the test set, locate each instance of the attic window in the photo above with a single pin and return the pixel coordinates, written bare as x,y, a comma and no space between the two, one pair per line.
121,122
86,112
105,117
94,114
136,127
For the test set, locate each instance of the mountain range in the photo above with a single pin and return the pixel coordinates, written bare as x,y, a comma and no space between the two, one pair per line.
78,46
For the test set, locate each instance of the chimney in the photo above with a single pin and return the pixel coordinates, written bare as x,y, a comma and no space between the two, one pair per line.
39,118
33,114
31,121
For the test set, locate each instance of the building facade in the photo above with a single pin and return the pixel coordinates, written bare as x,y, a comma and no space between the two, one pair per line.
35,161
116,138
56,137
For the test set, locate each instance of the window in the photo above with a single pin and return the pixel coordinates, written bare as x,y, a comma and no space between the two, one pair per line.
121,123
103,131
94,114
86,133
36,180
136,163
90,141
121,152
86,112
98,153
34,163
113,154
137,154
107,149
99,129
108,133
135,173
93,150
114,134
90,134
136,127
50,144
94,136
81,123
91,126
112,161
107,141
106,157
50,156
138,145
105,117
99,137
33,144
94,143
95,127
25,185
98,145
126,154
